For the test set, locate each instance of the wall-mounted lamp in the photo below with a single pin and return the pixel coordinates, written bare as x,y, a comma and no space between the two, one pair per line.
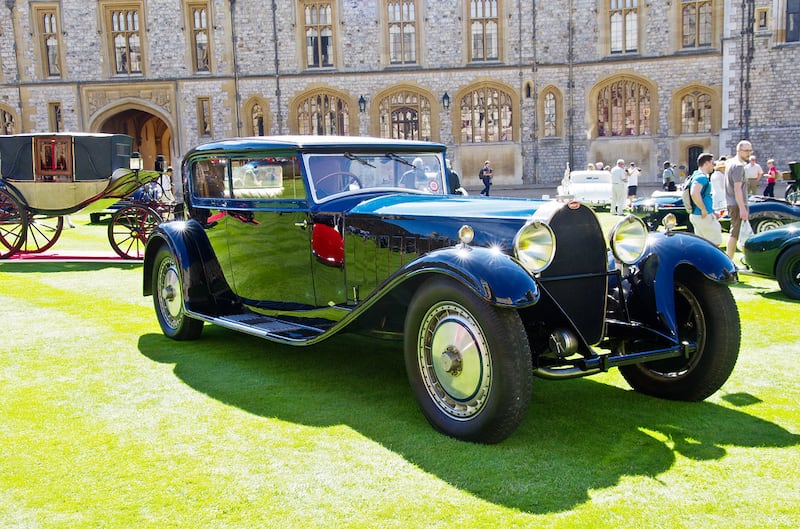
362,104
136,162
446,101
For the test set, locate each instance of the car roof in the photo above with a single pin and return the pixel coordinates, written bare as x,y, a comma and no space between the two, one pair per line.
314,143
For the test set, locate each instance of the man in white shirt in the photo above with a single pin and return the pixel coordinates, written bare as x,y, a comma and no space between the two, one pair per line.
619,179
753,172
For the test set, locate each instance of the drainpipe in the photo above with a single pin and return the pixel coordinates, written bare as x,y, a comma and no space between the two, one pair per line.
237,96
278,111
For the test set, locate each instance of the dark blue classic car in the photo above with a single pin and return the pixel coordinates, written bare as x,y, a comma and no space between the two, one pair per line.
765,213
776,253
336,234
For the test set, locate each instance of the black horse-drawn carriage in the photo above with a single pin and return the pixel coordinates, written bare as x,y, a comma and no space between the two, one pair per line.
45,176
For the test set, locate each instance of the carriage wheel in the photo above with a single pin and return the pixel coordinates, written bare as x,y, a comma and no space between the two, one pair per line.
129,230
43,232
13,225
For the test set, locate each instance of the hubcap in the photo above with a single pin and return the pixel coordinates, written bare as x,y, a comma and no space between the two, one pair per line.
171,299
455,361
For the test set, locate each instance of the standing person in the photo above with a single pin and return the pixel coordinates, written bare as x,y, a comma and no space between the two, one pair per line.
736,192
753,172
703,220
718,186
618,180
485,174
668,177
772,177
633,183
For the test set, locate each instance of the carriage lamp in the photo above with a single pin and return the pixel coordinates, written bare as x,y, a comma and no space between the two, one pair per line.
362,103
161,163
446,101
136,161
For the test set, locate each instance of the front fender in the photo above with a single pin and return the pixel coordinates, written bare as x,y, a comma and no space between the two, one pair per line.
205,289
490,274
664,255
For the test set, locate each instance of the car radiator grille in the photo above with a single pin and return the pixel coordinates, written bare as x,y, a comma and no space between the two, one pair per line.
577,278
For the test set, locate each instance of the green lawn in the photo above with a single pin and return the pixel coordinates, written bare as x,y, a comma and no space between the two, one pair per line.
105,423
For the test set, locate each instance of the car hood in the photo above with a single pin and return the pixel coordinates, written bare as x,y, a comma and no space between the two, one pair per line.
495,221
449,206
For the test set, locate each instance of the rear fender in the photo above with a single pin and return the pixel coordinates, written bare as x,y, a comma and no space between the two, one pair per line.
205,289
654,280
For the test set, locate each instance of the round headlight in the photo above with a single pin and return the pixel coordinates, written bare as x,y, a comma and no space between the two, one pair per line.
535,246
466,234
628,239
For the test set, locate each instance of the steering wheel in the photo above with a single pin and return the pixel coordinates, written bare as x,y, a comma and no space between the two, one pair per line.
351,179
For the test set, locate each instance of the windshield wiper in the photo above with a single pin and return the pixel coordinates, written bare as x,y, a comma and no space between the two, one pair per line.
350,156
396,158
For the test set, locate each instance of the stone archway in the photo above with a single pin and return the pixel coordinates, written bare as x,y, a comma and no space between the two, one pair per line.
151,134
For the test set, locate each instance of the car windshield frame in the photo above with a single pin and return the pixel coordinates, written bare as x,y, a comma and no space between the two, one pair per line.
336,174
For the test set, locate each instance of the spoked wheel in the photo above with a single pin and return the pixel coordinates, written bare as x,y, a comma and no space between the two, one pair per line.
760,226
707,316
43,232
468,362
13,225
129,230
792,194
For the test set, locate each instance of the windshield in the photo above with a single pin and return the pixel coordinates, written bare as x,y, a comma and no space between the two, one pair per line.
335,174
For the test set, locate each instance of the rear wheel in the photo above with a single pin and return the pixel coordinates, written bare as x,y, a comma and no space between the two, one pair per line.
13,225
787,271
168,299
792,194
129,230
762,225
43,232
706,314
468,362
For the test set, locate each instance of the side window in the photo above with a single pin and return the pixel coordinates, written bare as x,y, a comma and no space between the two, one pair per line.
270,177
210,178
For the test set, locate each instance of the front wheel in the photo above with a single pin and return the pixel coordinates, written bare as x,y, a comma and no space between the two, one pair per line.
168,299
706,314
787,271
43,232
468,362
130,228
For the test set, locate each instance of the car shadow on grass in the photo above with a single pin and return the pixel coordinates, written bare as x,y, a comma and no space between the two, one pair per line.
579,435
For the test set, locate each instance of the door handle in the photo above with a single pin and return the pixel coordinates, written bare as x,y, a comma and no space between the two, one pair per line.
303,224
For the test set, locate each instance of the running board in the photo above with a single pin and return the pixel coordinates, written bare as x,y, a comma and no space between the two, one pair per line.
269,327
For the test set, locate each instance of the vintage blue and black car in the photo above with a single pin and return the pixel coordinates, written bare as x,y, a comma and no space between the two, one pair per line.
765,213
776,253
335,234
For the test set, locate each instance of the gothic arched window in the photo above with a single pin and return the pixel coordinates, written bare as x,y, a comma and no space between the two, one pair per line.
623,109
486,115
323,114
405,115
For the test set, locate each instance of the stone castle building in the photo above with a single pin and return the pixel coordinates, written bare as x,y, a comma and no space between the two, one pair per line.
531,85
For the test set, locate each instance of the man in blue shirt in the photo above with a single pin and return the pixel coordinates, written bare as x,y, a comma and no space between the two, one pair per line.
702,217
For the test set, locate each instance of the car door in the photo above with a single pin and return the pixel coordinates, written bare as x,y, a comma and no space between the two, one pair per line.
267,235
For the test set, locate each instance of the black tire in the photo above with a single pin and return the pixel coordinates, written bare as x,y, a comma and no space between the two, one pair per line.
168,299
468,362
762,225
706,314
787,271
